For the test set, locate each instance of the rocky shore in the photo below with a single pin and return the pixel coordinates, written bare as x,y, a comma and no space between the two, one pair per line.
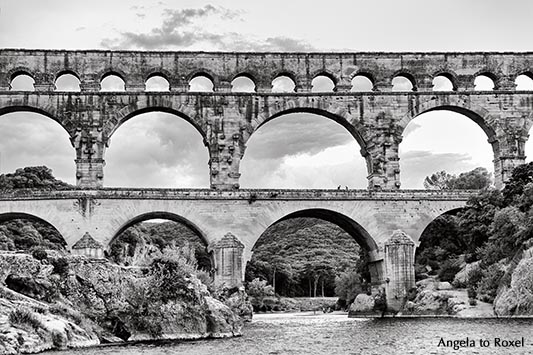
61,302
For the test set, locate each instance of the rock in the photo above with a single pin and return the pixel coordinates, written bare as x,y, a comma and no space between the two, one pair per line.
34,288
444,286
518,298
363,305
221,321
237,300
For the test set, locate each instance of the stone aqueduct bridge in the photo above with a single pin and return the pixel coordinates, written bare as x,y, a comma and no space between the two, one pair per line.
226,120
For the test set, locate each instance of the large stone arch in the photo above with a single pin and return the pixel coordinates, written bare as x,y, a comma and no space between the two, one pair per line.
21,105
160,103
454,103
39,216
321,106
160,215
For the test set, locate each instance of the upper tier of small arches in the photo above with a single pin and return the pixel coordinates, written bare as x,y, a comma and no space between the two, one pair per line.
261,72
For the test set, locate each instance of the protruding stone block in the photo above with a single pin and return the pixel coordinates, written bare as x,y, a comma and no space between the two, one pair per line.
228,261
87,246
399,251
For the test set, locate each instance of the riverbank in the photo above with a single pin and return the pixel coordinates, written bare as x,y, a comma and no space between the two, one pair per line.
61,302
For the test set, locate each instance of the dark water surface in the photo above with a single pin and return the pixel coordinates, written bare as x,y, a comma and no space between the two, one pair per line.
305,333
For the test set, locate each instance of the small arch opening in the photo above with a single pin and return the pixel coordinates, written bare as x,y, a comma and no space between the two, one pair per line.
242,84
483,82
22,82
402,83
67,82
524,82
201,83
361,83
442,83
157,83
322,83
283,83
112,82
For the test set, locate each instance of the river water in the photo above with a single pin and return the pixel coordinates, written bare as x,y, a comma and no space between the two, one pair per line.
305,333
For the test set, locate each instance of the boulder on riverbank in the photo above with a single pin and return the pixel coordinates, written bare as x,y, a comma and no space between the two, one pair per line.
517,299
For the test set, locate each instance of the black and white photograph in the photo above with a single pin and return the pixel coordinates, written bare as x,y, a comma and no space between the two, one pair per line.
280,177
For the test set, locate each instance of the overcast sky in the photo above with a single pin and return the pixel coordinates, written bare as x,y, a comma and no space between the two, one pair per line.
293,151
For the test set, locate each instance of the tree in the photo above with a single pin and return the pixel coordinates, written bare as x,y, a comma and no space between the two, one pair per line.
31,177
348,286
438,181
477,179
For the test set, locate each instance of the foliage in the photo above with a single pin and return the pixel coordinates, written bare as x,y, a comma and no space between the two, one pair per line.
494,228
24,317
139,244
259,289
476,179
302,257
34,177
39,254
25,234
448,270
348,286
167,282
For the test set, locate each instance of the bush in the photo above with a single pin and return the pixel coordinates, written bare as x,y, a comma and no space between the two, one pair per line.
472,301
39,254
488,286
60,266
348,286
259,289
24,317
448,271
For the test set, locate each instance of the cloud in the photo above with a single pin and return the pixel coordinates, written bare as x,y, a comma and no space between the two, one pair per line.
180,29
416,165
81,28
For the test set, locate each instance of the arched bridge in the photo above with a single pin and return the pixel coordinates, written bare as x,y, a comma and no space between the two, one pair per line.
226,120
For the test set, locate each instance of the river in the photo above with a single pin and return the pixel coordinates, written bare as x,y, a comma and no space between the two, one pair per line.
306,333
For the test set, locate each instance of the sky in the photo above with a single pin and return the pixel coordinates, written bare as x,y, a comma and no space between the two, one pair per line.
292,151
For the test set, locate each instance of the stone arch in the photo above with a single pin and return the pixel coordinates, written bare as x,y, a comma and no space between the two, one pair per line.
19,71
66,71
206,73
52,220
489,73
289,74
365,73
429,213
19,105
327,73
479,115
112,71
246,75
167,75
128,112
448,74
406,74
160,215
335,112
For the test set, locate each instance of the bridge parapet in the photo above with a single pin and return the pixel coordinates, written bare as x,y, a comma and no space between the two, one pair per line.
250,195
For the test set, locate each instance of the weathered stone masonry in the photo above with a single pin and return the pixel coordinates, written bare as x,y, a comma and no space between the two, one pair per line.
385,220
226,120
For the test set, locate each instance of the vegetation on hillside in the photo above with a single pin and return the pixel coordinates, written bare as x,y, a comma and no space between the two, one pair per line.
32,177
302,257
141,243
494,228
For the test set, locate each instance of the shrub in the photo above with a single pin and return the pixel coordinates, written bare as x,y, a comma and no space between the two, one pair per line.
472,301
488,286
448,271
348,286
24,317
39,254
60,266
259,289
